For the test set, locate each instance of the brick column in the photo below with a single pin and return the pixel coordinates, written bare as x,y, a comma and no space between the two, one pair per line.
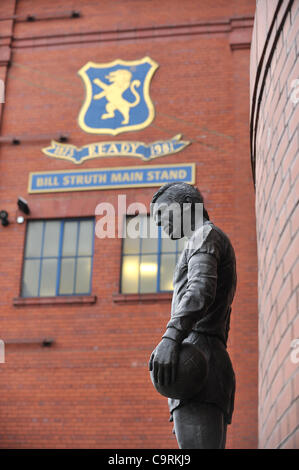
274,144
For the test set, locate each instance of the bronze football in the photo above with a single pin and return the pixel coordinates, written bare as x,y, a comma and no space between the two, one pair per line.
191,374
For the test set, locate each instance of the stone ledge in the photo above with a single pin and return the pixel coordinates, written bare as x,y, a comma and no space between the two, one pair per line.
142,298
72,299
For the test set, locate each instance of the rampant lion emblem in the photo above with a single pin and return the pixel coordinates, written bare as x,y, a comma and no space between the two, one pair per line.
120,82
117,96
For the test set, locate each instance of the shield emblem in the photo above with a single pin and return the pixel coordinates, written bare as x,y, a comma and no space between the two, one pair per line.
117,96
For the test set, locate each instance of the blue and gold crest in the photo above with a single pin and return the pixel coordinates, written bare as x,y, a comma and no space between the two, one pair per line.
117,96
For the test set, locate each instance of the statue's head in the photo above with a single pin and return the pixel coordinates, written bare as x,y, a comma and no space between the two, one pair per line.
176,207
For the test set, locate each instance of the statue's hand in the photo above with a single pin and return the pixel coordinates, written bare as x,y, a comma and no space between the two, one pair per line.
163,361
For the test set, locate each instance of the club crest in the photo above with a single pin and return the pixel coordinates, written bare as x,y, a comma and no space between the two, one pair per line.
117,96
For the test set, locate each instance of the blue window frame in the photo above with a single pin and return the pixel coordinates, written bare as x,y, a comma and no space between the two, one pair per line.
58,257
148,262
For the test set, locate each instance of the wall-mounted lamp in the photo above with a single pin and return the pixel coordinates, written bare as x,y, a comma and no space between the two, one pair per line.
4,218
23,205
20,219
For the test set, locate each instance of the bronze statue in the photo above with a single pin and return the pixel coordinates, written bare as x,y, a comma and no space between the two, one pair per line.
204,285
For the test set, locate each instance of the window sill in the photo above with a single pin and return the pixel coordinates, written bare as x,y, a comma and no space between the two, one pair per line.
142,298
72,299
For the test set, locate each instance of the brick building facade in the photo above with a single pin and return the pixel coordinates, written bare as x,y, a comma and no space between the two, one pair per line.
91,387
274,150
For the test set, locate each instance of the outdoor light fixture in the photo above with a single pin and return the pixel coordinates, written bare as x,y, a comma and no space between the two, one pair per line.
20,219
23,205
4,218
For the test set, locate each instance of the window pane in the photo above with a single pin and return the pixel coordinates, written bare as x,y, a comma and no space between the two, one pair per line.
30,278
166,271
153,228
149,234
48,277
51,238
67,276
132,245
130,273
85,237
34,239
43,241
69,238
148,273
168,245
83,275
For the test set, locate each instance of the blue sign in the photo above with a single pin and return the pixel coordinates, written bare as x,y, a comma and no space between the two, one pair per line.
117,96
107,178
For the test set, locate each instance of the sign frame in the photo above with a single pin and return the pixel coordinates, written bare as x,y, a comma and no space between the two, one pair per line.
56,189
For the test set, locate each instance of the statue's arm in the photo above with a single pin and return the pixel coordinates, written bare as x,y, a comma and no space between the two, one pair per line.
200,294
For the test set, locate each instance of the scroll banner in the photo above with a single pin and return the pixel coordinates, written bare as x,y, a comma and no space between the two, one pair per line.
107,178
116,149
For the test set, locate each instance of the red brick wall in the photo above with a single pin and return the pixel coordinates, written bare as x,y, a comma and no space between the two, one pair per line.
92,388
275,157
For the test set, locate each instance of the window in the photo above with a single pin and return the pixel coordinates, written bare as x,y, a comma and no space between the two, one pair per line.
58,257
148,262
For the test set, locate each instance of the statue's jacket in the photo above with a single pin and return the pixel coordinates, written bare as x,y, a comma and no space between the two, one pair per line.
204,286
